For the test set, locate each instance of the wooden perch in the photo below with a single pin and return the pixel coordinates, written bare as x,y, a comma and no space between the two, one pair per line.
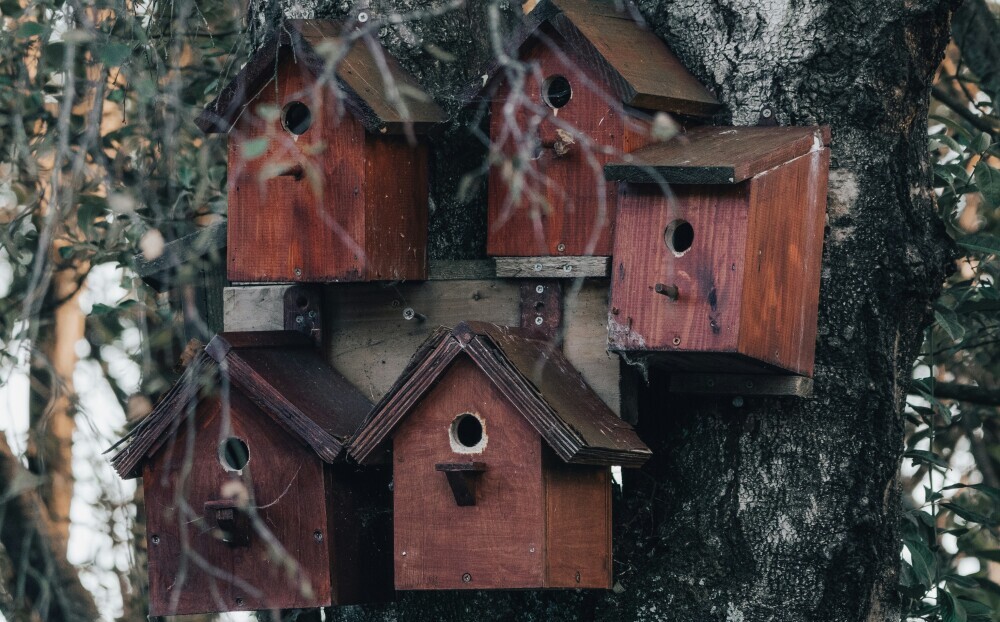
463,477
52,587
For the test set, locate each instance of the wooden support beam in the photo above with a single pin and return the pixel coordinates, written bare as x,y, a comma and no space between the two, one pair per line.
741,384
552,267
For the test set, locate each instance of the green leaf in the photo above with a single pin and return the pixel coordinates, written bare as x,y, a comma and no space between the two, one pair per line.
947,319
29,29
101,309
922,561
980,143
254,148
952,610
988,181
114,54
970,515
981,242
922,455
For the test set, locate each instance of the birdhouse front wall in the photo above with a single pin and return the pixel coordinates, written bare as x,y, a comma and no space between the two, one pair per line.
313,197
499,541
192,569
542,203
722,278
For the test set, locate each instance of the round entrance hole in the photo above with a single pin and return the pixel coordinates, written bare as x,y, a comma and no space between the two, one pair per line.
234,454
467,434
679,236
556,91
296,118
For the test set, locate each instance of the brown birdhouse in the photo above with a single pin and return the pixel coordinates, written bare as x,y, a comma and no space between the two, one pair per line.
501,460
249,504
718,249
328,167
593,78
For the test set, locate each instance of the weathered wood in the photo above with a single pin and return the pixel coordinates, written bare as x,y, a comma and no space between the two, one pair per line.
741,384
252,308
542,308
468,270
717,155
207,245
552,267
302,311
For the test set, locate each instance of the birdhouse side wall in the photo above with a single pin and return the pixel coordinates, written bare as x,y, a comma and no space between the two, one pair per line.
784,254
191,570
562,205
498,543
704,319
296,202
578,525
396,194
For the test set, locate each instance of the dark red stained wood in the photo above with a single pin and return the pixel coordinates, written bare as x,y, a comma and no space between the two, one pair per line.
545,304
490,541
396,175
717,155
578,525
203,573
784,254
565,207
286,229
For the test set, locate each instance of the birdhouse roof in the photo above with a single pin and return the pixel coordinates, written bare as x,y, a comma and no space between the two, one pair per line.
280,372
375,88
717,155
535,378
636,64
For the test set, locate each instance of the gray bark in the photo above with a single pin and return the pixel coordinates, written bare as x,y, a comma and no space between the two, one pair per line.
779,509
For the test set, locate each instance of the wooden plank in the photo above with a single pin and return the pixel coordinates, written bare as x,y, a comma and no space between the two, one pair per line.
741,384
717,155
552,267
784,255
461,270
499,541
577,525
541,308
247,308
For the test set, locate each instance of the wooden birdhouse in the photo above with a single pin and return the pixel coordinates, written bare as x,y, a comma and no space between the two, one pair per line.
249,504
718,249
594,78
328,168
501,460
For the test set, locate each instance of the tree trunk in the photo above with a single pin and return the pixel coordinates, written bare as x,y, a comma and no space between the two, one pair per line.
761,508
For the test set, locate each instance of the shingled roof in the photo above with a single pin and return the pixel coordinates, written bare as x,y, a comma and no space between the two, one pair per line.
280,372
376,89
533,375
637,65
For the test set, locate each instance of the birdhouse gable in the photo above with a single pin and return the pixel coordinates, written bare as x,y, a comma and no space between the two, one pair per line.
631,61
534,378
280,373
371,83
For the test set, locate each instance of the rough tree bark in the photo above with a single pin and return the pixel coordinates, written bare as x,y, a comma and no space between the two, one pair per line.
775,509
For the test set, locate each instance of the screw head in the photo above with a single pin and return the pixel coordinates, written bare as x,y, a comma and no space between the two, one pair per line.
466,578
561,248
239,602
766,113
155,539
300,320
318,535
403,553
567,268
738,401
298,272
577,576
539,320
409,313
312,315
363,17
677,341
531,550
538,267
539,289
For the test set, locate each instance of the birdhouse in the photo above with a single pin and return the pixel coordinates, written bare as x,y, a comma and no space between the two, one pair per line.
718,249
501,459
328,166
594,77
249,504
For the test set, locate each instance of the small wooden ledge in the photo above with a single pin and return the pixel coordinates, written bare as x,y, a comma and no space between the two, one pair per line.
231,520
462,477
552,267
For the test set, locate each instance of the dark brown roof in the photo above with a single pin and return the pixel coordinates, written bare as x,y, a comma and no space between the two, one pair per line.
533,375
639,67
360,75
281,373
717,155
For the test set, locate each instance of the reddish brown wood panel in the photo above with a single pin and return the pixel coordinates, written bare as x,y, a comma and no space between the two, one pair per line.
784,253
708,276
578,525
296,227
564,206
499,541
190,569
395,190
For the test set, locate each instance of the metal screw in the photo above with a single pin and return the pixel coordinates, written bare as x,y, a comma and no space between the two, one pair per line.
396,304
677,341
531,550
709,383
239,602
670,291
539,289
466,578
578,576
539,320
409,313
318,535
749,384
403,553
766,113
567,268
738,401
300,320
312,315
538,267
362,17
561,248
155,539
298,272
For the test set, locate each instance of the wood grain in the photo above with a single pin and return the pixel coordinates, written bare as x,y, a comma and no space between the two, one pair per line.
717,155
552,267
499,541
